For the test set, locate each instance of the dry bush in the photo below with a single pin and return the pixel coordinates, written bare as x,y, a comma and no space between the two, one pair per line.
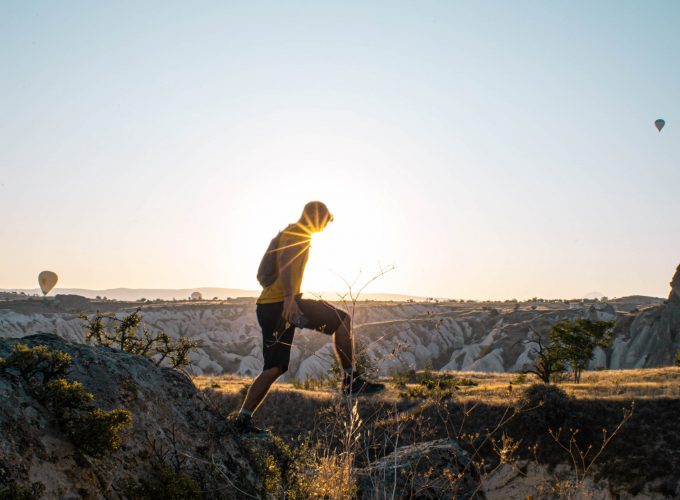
332,477
546,405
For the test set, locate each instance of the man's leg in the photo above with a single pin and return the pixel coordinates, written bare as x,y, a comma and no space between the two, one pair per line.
352,382
259,389
276,343
343,343
325,318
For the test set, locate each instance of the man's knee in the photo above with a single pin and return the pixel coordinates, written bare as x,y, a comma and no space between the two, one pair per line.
346,320
275,371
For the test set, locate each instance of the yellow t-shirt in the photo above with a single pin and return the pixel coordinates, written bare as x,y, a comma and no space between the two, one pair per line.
296,239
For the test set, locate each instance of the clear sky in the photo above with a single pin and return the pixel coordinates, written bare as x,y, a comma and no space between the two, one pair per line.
487,149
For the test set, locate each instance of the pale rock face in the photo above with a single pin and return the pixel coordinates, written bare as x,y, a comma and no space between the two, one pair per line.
250,366
448,336
599,359
317,364
422,356
491,362
524,361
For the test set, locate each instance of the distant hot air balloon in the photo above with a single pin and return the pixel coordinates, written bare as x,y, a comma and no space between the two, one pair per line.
659,124
196,296
47,280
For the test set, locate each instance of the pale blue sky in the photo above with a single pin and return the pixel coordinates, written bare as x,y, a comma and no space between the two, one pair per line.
487,149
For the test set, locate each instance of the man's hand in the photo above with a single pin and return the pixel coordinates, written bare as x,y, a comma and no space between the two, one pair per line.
291,310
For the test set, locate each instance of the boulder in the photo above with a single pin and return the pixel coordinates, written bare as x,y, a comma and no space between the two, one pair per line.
433,469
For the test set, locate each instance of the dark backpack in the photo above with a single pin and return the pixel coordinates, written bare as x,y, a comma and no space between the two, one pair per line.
269,269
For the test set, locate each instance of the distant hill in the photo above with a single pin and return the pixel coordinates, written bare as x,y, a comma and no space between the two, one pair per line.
133,294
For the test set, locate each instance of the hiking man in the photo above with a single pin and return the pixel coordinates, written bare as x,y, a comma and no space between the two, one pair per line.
281,309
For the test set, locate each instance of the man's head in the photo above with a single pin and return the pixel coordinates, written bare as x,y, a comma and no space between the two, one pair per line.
315,216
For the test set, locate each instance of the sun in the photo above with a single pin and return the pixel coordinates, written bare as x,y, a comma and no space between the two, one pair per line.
319,277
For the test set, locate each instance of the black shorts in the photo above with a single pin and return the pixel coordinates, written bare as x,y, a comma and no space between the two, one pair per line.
277,339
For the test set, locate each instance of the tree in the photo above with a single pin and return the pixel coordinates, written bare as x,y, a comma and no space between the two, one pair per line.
547,361
573,342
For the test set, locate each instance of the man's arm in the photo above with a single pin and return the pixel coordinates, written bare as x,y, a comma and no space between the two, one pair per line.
291,251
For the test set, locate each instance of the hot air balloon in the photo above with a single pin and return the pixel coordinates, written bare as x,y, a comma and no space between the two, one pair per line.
659,124
196,296
47,280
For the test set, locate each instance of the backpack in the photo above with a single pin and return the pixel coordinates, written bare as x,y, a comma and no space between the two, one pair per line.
269,269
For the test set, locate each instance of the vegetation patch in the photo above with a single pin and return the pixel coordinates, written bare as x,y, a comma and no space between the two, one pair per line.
433,385
90,429
130,334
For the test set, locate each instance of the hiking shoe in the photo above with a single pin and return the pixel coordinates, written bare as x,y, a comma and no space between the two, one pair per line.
243,425
358,385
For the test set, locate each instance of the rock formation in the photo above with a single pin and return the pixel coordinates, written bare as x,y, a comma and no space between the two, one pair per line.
172,424
396,336
674,305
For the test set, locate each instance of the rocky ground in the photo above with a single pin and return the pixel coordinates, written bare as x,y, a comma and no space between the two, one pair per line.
174,434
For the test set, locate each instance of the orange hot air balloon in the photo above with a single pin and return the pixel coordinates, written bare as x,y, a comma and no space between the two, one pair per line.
47,280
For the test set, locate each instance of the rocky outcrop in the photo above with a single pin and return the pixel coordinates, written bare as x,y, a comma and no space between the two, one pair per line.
674,296
674,305
433,469
172,425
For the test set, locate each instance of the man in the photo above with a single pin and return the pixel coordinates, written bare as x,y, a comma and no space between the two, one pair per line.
281,308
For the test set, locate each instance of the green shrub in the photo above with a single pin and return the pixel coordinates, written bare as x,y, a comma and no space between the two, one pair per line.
90,429
95,431
415,392
38,364
130,334
62,396
435,385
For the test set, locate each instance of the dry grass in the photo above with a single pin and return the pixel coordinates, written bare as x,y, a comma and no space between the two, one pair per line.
495,388
649,383
478,409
